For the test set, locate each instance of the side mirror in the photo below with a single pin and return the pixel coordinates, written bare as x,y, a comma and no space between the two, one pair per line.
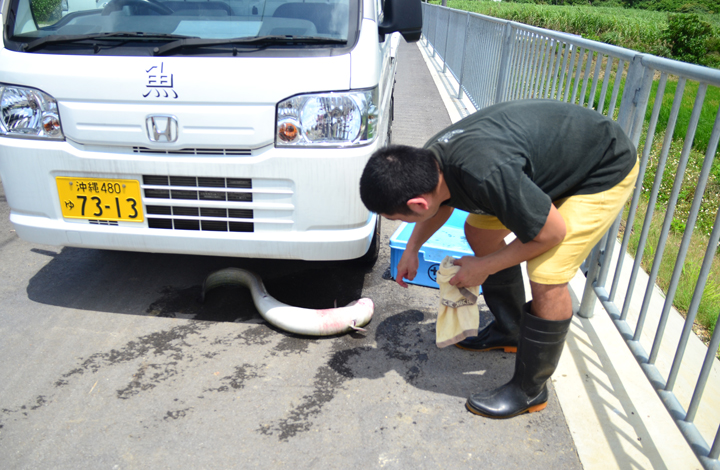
404,16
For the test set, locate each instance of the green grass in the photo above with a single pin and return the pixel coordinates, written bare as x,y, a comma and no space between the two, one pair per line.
640,30
635,27
709,306
707,114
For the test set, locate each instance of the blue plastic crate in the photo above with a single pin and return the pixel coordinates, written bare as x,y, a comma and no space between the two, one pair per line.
449,240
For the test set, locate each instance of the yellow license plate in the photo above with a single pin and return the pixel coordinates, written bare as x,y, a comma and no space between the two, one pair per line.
100,199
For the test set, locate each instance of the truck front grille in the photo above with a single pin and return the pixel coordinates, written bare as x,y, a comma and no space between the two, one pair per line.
209,214
193,151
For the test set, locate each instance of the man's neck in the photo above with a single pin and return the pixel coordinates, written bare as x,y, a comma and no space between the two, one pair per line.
442,192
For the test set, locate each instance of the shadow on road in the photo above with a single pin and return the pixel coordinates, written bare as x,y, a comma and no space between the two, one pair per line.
170,285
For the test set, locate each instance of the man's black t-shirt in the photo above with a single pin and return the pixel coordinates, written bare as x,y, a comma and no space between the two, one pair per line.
511,160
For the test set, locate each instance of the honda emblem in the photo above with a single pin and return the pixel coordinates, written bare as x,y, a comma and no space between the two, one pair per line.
162,128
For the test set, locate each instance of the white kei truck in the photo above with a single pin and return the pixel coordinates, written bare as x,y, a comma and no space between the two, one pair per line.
209,127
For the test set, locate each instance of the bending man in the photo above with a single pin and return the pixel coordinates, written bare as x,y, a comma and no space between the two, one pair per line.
554,174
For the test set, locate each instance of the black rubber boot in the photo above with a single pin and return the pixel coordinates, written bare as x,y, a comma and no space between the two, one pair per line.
504,294
541,343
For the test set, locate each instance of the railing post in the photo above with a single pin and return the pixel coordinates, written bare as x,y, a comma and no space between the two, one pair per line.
587,304
609,249
425,31
462,60
635,98
447,36
437,20
505,54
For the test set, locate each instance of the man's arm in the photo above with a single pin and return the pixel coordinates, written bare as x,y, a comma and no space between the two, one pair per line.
408,264
474,270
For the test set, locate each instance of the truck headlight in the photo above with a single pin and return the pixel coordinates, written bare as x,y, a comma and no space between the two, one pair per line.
30,113
335,119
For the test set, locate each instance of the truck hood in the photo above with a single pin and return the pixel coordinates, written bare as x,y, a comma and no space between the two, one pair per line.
215,102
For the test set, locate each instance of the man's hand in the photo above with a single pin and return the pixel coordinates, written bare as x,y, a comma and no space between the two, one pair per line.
423,230
475,270
407,267
472,272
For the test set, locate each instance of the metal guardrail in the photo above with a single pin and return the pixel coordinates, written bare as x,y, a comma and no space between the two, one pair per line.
496,60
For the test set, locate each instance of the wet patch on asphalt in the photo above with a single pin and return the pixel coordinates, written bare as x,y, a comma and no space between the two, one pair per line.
237,380
161,352
168,343
147,377
164,355
176,414
401,337
256,335
39,402
397,338
292,345
326,383
404,343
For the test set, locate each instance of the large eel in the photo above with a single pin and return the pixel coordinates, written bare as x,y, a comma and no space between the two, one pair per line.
302,321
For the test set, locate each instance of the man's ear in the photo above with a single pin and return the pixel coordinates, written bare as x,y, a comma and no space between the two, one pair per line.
418,204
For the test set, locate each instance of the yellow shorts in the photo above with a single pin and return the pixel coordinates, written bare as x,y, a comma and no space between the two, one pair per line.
587,218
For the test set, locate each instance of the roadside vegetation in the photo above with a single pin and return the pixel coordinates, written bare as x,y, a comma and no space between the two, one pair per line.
678,30
46,11
687,31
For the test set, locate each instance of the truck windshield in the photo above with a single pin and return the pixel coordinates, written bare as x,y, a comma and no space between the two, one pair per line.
51,25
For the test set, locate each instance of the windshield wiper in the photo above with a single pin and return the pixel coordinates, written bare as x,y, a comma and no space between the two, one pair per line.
40,42
254,41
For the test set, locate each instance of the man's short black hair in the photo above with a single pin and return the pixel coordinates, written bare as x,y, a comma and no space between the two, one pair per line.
394,175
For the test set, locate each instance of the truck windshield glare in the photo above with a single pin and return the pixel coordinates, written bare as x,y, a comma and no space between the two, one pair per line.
46,25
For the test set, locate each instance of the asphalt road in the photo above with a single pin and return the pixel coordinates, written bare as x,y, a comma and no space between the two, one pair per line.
110,361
